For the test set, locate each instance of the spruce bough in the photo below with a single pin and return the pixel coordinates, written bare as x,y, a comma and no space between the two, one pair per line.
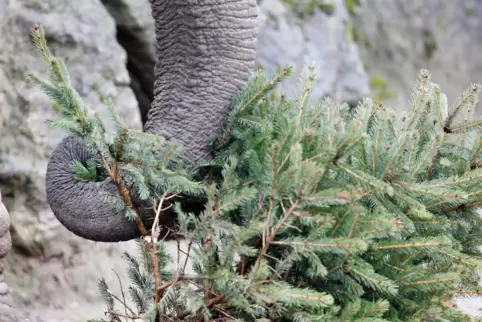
313,212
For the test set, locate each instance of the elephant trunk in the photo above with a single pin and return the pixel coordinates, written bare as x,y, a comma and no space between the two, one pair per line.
206,52
81,206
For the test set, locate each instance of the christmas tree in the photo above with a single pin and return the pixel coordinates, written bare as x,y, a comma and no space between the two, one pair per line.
312,212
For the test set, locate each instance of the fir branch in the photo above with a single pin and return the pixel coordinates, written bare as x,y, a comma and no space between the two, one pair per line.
468,99
252,100
466,127
336,213
352,246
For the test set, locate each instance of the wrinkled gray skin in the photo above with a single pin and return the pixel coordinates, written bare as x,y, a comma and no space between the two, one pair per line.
206,53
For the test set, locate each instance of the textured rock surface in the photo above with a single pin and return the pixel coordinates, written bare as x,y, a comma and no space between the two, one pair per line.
286,38
51,272
49,267
401,37
8,309
135,32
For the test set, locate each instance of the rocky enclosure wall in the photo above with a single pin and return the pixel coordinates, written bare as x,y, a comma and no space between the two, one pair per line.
109,47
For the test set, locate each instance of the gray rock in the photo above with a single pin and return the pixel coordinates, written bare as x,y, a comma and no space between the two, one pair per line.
8,310
135,32
401,37
285,38
48,266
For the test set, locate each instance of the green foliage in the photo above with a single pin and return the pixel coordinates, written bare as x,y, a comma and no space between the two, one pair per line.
429,44
380,88
352,5
307,8
314,212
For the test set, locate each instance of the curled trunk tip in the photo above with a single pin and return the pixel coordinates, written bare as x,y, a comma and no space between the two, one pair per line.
80,205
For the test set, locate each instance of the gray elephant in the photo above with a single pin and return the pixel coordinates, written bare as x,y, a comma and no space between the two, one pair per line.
206,53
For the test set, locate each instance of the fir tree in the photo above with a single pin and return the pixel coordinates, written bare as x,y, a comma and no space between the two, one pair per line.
313,213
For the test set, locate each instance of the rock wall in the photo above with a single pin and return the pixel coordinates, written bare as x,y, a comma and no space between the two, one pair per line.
109,46
8,311
398,38
287,38
135,33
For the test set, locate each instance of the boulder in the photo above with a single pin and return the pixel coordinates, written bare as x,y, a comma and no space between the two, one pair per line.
9,311
288,37
398,38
